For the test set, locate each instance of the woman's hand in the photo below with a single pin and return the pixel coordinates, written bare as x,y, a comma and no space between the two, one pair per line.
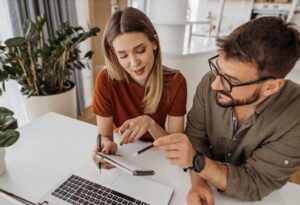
108,147
134,129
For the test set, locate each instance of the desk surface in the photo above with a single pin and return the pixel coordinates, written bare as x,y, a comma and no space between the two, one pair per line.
52,146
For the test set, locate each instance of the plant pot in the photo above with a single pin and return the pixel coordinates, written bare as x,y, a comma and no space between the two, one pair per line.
63,103
2,161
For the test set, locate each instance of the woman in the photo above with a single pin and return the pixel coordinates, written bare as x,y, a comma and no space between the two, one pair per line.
135,93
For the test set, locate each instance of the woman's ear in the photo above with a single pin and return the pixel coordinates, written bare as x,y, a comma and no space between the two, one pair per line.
154,42
273,86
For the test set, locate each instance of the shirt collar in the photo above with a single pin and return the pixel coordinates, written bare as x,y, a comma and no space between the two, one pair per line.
270,99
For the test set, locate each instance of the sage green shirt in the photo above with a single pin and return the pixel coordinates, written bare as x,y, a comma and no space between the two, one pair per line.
263,153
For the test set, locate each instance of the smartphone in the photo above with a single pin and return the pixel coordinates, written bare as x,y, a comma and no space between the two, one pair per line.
125,164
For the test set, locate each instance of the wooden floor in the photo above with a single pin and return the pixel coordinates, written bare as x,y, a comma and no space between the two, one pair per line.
296,177
89,117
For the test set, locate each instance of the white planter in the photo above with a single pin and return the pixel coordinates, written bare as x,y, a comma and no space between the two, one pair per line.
2,161
63,103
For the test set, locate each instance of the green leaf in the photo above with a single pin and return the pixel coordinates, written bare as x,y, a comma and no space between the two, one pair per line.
8,137
89,54
40,22
6,122
28,28
5,111
14,42
95,30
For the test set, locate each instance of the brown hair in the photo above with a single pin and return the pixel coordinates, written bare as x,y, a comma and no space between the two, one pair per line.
133,20
269,43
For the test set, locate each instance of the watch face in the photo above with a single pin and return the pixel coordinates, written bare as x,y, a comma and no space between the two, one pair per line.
199,163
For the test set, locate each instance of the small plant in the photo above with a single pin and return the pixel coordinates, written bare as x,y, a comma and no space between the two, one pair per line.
40,67
8,136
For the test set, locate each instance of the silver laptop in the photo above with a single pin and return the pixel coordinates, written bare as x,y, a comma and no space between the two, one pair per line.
118,188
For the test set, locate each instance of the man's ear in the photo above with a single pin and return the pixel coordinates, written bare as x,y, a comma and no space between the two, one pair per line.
273,86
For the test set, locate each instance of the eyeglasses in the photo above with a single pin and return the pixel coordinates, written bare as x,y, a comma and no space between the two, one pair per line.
225,82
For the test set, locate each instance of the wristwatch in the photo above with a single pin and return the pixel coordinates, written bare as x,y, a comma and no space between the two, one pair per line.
198,163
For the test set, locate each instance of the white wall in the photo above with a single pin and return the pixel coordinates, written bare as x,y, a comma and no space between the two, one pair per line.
11,98
83,20
192,66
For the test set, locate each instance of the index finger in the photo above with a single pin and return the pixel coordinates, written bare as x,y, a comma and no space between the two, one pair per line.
169,139
123,127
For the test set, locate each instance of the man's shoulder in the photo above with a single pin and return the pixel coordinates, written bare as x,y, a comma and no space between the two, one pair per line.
291,92
205,82
283,107
292,87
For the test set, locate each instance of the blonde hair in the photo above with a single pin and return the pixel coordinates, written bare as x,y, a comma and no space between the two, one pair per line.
133,20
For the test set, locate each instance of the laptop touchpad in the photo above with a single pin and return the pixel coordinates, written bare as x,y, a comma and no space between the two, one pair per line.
143,189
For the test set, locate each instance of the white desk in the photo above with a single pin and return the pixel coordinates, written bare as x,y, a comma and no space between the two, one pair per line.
53,145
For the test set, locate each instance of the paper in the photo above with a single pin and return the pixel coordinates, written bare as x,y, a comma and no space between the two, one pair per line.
125,164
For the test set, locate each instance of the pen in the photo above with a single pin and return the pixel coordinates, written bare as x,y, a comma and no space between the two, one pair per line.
99,149
143,150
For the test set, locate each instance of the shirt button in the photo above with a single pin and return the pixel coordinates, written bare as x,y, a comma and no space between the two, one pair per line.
286,162
234,139
229,154
233,118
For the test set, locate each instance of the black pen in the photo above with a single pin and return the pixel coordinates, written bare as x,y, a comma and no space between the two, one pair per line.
99,149
143,150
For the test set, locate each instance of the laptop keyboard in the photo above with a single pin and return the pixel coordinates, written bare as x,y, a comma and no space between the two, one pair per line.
76,190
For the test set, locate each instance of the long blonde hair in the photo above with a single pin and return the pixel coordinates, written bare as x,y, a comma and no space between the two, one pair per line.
133,20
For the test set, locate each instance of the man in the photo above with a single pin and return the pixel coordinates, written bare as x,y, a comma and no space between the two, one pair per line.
243,130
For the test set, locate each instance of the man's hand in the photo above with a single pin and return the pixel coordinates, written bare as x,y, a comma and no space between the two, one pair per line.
134,129
178,149
200,193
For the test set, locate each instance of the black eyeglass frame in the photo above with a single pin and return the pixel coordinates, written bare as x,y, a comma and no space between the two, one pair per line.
222,77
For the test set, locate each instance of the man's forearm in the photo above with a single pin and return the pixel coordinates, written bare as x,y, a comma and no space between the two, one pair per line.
215,173
196,179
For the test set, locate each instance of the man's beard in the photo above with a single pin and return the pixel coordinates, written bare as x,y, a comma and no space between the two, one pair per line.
238,102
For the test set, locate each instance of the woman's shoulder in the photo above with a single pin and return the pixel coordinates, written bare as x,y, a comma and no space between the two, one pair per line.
172,75
102,79
102,74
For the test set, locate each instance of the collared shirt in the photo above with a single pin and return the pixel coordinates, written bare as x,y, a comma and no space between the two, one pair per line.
262,153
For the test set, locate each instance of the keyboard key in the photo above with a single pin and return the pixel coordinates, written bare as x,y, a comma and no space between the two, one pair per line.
123,196
75,198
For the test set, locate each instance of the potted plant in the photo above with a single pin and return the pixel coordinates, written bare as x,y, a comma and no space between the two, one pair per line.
43,68
8,134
